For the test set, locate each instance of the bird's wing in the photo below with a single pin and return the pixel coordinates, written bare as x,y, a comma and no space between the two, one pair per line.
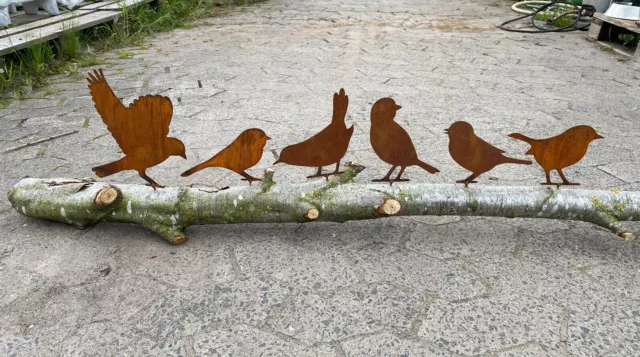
149,117
145,122
108,106
488,148
400,141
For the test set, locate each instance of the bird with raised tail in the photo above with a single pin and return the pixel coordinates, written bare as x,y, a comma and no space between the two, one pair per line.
391,142
244,152
140,130
474,154
326,147
560,151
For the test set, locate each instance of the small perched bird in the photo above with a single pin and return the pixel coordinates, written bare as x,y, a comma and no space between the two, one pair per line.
473,153
326,147
140,130
244,152
560,151
391,142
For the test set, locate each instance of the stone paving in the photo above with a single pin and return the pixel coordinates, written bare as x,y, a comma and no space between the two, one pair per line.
425,286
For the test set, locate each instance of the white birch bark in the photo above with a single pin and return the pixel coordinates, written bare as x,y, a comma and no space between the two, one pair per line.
169,211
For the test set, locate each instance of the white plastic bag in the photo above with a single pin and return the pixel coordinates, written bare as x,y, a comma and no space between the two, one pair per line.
69,4
5,20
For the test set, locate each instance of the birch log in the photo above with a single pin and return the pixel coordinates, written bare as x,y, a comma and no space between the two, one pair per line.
169,211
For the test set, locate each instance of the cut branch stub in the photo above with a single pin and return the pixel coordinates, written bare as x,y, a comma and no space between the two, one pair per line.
312,214
106,196
626,235
390,207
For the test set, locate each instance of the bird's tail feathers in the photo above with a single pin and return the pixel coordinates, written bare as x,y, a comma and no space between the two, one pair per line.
526,139
340,106
197,168
111,168
427,167
510,160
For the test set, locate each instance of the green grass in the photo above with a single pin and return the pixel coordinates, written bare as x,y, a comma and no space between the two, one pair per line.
122,54
629,39
26,70
561,22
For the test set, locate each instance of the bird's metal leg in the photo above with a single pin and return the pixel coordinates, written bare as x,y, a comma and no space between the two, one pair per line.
318,174
548,183
387,176
249,178
337,170
398,179
326,176
150,181
468,180
564,179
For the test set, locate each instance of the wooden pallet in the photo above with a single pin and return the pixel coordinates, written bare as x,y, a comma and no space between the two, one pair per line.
604,28
32,29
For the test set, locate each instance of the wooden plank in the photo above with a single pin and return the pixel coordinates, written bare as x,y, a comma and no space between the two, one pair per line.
594,31
23,19
127,3
619,48
51,19
605,31
17,38
22,40
626,24
25,23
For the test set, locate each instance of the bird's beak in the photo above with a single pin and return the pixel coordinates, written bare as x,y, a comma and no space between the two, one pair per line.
598,136
268,138
183,155
398,107
446,131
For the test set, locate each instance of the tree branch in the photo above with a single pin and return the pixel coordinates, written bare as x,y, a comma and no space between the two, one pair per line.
168,211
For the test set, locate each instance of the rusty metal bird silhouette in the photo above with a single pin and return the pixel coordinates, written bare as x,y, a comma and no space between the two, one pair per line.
391,142
140,130
326,147
560,151
243,153
474,154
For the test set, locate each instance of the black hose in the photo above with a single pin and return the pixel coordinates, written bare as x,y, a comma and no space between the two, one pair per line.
544,30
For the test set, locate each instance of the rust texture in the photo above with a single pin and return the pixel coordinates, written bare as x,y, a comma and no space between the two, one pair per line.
391,142
243,153
140,130
560,151
326,147
474,154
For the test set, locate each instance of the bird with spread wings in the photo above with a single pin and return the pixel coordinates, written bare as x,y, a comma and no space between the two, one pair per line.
140,130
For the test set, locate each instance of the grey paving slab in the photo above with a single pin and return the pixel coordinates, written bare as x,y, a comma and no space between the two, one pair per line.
420,286
476,327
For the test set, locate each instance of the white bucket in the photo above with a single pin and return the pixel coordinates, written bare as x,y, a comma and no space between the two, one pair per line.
600,5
